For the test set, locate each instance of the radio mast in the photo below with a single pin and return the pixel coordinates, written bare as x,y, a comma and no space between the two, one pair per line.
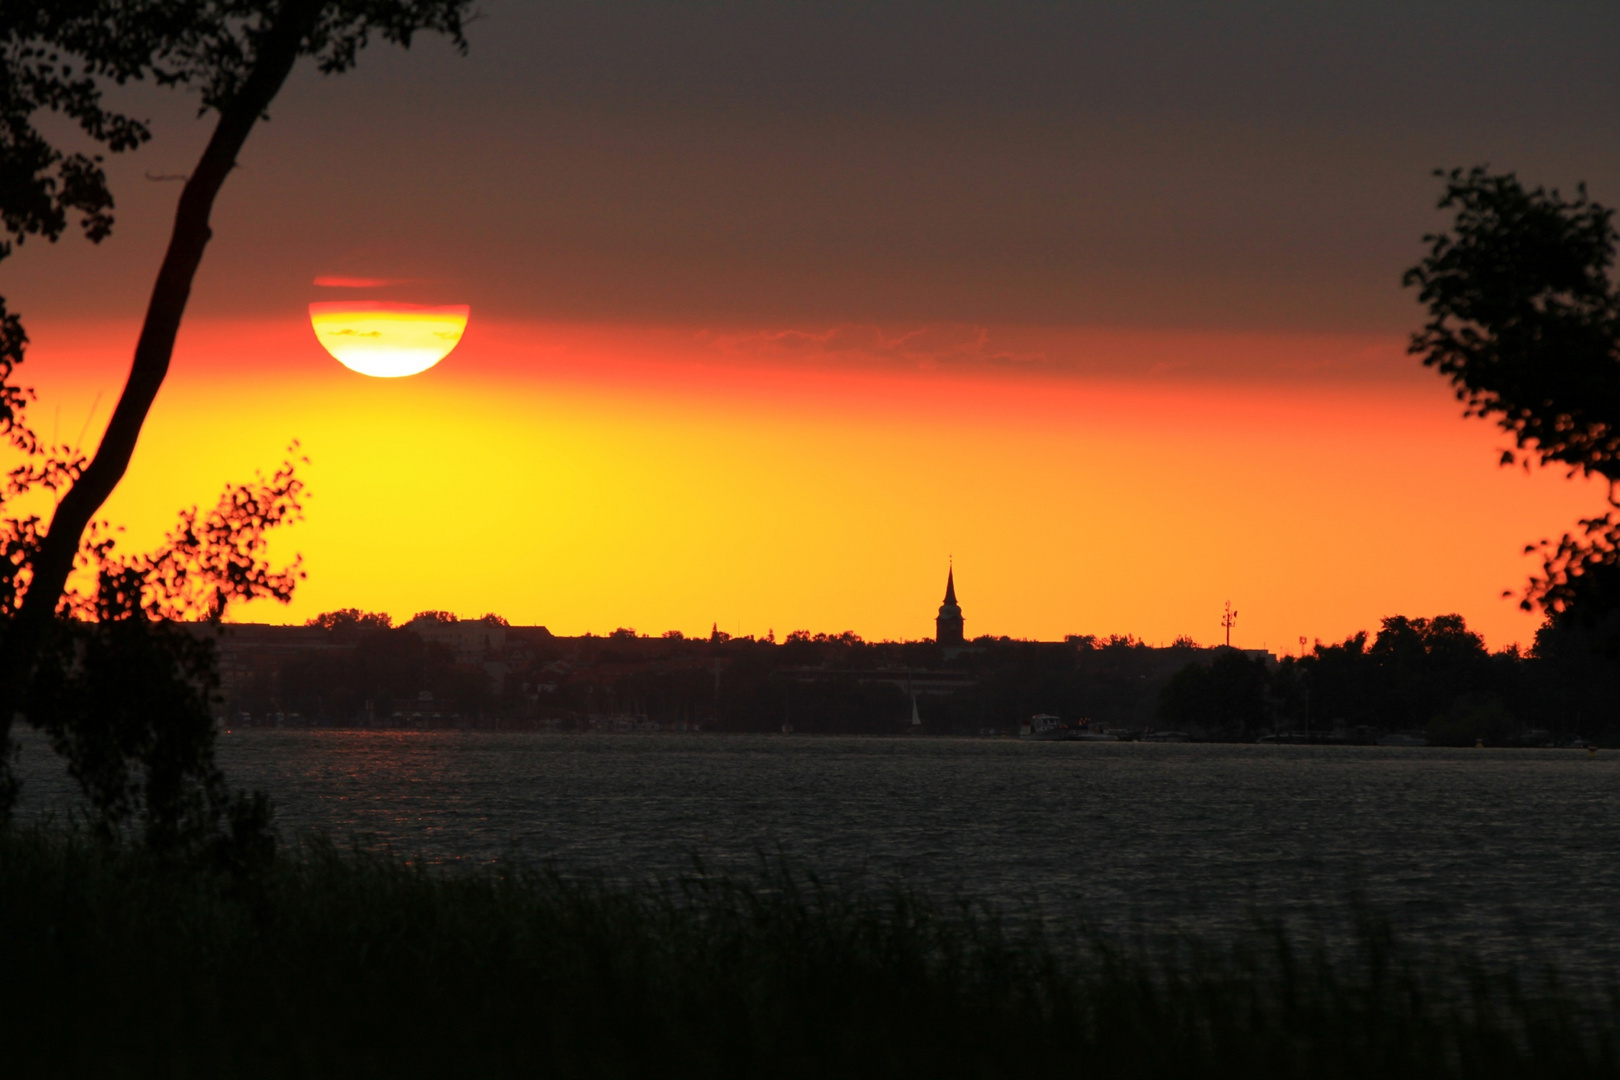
1227,621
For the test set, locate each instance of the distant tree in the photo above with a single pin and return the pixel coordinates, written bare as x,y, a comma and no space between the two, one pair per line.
1289,697
1412,671
381,672
1227,697
1337,683
1572,688
1422,666
1472,719
492,619
1442,640
1524,319
441,618
352,619
57,57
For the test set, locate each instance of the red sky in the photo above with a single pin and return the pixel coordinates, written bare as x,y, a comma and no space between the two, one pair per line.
775,308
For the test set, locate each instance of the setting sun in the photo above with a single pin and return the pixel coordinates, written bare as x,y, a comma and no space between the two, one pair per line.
388,341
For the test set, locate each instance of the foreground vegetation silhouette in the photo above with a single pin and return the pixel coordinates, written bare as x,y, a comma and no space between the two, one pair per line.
59,58
1524,321
114,961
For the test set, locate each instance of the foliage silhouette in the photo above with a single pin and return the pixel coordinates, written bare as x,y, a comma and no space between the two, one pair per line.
332,964
235,54
1524,320
1227,697
1433,677
352,619
125,702
124,687
1404,677
375,672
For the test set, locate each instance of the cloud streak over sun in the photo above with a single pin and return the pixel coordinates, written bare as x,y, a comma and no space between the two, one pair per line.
331,281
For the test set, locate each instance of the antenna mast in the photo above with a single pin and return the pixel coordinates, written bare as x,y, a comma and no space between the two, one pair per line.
1227,622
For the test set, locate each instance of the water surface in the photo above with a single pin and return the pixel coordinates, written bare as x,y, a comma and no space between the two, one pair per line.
1512,852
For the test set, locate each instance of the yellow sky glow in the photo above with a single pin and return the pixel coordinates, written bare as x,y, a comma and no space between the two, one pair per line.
593,477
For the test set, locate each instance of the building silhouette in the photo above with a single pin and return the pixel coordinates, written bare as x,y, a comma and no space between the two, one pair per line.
948,626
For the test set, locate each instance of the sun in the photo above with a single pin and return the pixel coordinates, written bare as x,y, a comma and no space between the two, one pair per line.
388,341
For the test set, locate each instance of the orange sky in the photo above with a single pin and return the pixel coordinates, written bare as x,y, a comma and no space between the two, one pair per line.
588,477
777,307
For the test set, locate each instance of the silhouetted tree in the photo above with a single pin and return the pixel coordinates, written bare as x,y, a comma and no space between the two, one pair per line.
235,54
1422,667
1524,319
349,619
1422,675
1338,685
1570,686
381,671
124,688
1472,719
1227,697
54,58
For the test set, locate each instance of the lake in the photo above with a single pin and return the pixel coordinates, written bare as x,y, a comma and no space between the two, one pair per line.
1510,852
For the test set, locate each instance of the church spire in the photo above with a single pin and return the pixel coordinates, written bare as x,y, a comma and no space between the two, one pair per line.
948,627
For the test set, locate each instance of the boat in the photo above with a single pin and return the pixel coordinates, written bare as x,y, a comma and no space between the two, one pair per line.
1043,727
1083,730
1165,736
1085,734
1402,738
1302,738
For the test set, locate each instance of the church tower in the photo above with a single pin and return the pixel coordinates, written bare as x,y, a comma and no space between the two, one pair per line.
948,627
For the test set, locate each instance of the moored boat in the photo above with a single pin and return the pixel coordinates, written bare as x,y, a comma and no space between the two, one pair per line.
1083,730
1089,734
1044,727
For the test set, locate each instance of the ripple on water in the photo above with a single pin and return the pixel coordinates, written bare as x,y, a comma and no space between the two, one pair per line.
1509,852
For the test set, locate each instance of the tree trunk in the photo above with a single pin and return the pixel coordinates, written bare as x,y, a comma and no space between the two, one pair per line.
50,567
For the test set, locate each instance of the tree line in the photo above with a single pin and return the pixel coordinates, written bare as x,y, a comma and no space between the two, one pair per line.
1429,677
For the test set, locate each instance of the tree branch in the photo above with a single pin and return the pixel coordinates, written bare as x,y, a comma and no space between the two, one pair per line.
277,51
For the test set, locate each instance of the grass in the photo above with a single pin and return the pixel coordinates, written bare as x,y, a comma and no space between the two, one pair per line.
328,963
